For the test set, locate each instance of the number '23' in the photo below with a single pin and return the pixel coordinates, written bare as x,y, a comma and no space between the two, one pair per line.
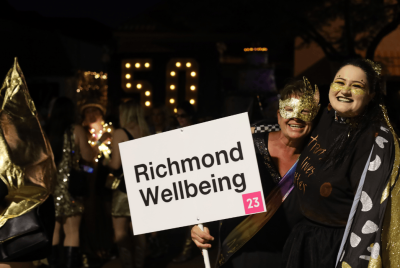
256,204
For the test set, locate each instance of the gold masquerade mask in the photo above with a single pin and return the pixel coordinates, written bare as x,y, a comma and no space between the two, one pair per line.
305,108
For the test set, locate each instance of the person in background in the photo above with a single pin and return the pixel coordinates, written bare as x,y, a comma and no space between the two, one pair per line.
133,126
96,249
158,120
69,143
186,116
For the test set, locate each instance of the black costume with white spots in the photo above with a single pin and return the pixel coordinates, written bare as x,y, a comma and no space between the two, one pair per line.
328,197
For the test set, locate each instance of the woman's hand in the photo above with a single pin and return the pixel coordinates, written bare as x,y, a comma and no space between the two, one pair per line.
201,238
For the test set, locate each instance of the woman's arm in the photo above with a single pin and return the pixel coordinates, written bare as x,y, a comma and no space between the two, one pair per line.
88,152
119,136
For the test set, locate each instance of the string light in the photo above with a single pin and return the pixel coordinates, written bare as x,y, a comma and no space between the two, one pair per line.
128,65
147,103
188,64
251,49
193,74
128,85
172,87
147,65
128,76
192,88
139,86
172,73
171,100
137,65
178,64
192,101
147,93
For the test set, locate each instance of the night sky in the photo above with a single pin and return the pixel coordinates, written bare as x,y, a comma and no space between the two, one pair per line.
110,13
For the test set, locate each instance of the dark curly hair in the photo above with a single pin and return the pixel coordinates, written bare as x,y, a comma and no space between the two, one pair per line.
344,144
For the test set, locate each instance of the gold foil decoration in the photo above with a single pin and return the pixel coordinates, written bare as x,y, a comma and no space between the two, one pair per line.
385,193
391,223
375,263
308,101
355,91
376,66
26,160
345,265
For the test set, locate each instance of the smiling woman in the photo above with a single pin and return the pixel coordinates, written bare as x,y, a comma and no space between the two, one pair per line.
344,162
277,156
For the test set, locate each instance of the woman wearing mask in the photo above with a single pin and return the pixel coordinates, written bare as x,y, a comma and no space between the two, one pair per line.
133,126
69,143
258,240
347,171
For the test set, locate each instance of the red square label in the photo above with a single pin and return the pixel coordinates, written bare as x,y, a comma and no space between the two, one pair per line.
253,203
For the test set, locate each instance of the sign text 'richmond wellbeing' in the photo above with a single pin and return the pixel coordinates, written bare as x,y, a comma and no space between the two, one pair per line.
197,174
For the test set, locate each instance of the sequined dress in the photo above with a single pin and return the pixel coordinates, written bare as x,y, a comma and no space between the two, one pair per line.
65,204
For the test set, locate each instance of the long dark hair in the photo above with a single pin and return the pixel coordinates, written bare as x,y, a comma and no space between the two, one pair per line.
61,118
344,144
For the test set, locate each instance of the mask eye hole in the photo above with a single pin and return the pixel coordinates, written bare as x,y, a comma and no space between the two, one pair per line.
306,112
288,109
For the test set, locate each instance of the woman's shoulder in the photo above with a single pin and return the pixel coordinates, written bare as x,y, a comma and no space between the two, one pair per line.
120,135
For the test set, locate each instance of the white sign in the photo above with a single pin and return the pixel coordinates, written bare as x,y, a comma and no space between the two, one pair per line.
197,174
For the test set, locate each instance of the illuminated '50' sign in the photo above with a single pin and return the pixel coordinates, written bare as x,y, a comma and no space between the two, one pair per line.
174,66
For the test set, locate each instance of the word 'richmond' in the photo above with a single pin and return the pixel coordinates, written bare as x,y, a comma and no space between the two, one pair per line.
188,164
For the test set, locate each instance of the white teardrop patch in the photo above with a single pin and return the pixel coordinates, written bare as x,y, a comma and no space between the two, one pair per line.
354,240
374,165
369,227
366,202
364,257
375,251
380,141
385,129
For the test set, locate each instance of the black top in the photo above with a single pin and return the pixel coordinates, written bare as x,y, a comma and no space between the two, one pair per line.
271,238
119,171
326,196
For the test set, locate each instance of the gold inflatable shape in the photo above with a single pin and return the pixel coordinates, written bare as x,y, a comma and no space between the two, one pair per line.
26,160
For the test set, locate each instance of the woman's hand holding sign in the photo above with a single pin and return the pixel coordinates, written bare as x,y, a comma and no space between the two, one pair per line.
201,238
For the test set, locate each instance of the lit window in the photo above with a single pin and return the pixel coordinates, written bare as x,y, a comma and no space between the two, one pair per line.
172,87
137,65
192,101
147,103
193,74
147,93
192,88
128,65
175,110
173,73
172,101
128,76
139,86
128,85
188,64
178,64
147,65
